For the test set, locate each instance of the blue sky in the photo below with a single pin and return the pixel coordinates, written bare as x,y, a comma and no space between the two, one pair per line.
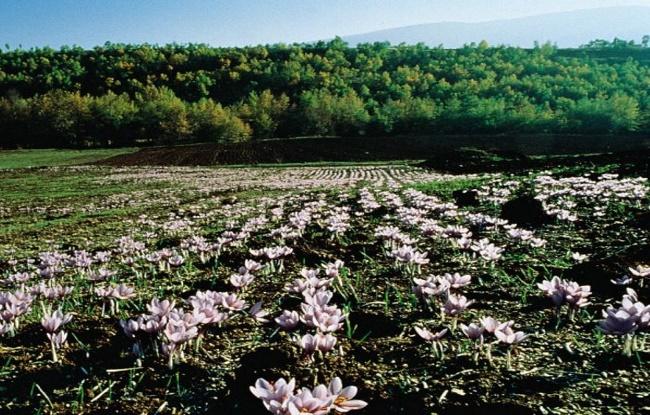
233,23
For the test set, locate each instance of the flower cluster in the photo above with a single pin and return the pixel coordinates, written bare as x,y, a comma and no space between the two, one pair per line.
316,312
566,292
275,255
626,320
502,332
245,276
409,258
640,272
283,398
487,250
113,294
53,323
13,305
172,327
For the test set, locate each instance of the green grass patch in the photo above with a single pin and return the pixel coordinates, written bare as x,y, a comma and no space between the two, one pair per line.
15,159
27,186
446,188
39,187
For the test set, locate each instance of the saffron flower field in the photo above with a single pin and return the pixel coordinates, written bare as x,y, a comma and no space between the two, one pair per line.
371,289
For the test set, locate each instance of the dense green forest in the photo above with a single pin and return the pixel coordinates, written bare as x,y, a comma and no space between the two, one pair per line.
120,94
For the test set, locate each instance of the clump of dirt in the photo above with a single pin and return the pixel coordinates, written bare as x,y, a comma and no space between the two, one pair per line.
599,272
525,210
466,198
373,325
641,220
474,160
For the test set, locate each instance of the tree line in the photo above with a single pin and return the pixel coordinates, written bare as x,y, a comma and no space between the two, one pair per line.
120,94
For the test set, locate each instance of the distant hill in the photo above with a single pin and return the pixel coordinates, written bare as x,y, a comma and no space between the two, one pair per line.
567,29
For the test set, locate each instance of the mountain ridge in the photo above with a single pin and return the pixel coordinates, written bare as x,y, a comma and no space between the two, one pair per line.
566,29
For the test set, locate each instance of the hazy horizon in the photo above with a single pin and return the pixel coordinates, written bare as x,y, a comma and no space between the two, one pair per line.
220,23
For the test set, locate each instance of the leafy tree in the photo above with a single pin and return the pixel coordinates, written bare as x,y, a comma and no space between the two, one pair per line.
328,114
114,118
264,112
616,114
212,122
62,115
408,114
162,116
625,113
15,118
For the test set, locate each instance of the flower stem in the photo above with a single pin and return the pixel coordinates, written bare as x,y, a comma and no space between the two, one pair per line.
55,358
170,362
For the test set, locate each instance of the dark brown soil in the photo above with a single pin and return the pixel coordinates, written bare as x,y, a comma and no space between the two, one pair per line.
346,149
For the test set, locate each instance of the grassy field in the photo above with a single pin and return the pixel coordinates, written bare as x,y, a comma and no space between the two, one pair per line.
13,159
370,246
